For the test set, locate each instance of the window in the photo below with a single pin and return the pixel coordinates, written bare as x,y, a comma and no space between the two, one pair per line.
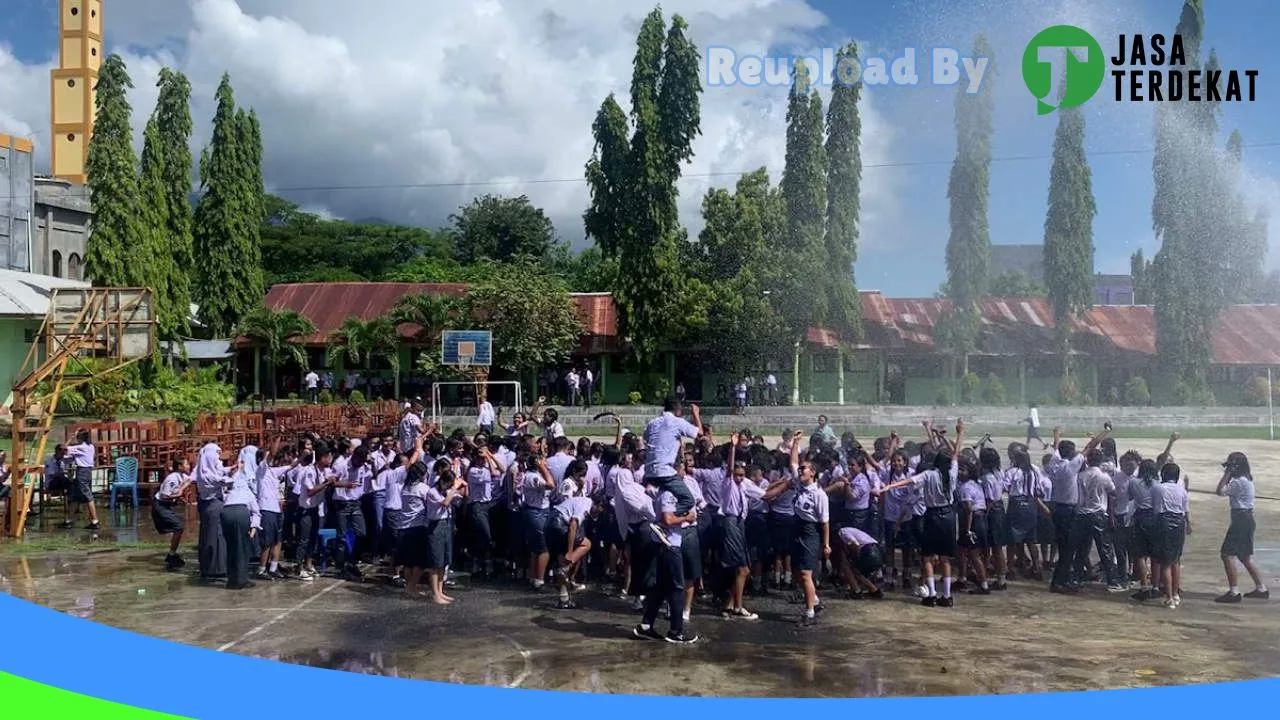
73,267
56,268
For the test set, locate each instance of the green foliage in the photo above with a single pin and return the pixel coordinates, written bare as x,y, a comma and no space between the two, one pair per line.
653,386
968,190
587,271
1068,226
993,392
1140,273
1016,284
293,397
943,398
356,397
362,341
970,387
633,215
1070,392
1257,391
1136,392
112,168
634,397
106,396
533,319
1111,396
153,389
802,301
301,247
279,334
228,282
1185,394
844,180
325,397
502,229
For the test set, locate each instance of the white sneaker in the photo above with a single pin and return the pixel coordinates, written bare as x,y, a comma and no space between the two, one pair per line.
638,603
685,615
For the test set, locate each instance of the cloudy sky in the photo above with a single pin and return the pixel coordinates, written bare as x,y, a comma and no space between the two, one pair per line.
405,109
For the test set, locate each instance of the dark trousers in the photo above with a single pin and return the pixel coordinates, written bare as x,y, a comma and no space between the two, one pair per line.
308,534
586,394
1089,530
480,517
669,590
235,529
213,547
677,487
372,505
1063,518
1121,540
350,519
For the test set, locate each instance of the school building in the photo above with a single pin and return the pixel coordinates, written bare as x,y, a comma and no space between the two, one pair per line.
896,362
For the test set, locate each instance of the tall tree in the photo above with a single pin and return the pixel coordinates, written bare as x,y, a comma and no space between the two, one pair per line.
1182,283
502,228
172,116
153,252
804,302
968,189
279,335
228,260
112,166
255,188
529,309
844,181
1068,230
1141,274
633,214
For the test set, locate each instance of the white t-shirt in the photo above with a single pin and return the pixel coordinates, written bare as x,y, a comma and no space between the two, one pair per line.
1035,418
312,380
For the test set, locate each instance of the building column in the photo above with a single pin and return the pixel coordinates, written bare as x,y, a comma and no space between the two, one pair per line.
839,376
881,368
257,370
604,378
1022,379
795,377
810,394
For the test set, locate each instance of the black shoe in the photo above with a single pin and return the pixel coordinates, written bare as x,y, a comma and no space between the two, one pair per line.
398,582
979,591
644,634
681,638
564,604
245,586
1143,595
877,595
1229,598
808,621
93,526
960,584
1002,586
1064,589
817,609
276,574
66,524
1259,595
946,602
930,601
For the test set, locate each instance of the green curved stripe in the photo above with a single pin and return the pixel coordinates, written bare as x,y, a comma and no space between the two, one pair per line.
29,699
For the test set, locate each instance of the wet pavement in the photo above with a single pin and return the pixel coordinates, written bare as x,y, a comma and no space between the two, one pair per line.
1023,640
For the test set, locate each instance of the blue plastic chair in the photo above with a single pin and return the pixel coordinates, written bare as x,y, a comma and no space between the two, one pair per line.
126,479
326,535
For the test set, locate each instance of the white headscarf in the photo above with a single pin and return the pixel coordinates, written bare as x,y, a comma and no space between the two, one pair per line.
209,469
249,466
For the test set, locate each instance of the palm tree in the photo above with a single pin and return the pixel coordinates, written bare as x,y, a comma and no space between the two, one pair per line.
433,314
360,341
279,334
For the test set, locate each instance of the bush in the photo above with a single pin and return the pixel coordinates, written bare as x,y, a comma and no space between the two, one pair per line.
106,395
325,397
993,391
293,396
1070,393
1111,396
970,386
943,398
356,397
1255,391
1183,394
634,397
1136,392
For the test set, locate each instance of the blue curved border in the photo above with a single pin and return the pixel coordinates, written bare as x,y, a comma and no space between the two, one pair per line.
84,657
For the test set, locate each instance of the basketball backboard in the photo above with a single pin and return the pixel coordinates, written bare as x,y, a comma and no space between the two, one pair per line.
466,348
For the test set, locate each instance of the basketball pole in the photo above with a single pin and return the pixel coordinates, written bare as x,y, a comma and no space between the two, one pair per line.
1271,413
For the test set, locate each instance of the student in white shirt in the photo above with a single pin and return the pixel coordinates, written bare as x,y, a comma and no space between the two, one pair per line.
1033,428
312,381
1237,486
163,510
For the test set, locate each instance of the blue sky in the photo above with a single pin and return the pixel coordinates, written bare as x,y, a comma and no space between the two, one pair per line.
919,119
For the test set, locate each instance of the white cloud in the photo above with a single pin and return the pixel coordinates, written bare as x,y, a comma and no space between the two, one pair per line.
408,93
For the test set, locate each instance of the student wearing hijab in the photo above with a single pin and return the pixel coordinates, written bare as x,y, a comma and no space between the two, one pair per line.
211,480
164,514
241,519
1237,486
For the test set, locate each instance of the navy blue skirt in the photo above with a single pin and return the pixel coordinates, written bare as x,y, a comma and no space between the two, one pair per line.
997,524
939,536
806,546
1021,519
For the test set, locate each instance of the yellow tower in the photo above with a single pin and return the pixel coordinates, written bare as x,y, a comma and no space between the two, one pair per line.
73,87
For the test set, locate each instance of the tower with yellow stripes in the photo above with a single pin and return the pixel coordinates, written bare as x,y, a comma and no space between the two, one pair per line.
73,85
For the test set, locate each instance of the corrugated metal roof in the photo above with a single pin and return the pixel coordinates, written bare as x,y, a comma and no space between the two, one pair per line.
328,305
27,294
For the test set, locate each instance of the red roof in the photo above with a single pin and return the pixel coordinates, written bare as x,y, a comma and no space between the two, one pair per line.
328,305
1246,334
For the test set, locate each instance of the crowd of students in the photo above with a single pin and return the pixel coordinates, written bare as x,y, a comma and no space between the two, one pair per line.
678,514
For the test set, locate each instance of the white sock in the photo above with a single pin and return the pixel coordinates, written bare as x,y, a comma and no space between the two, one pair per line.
1262,588
946,587
984,584
1233,590
929,583
645,627
564,595
1000,578
538,583
275,566
808,612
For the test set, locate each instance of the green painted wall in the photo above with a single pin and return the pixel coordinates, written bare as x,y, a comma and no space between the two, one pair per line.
13,350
